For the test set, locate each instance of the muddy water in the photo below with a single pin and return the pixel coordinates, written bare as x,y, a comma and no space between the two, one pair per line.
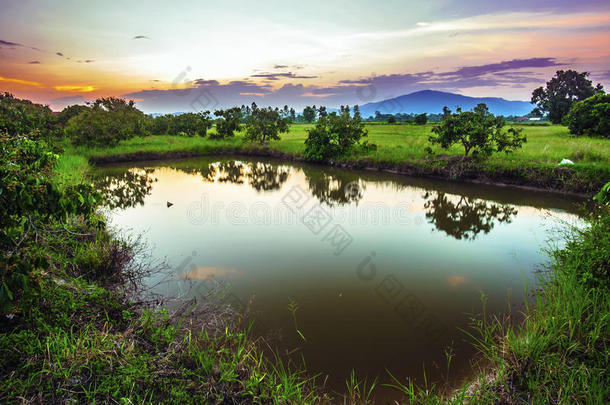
346,270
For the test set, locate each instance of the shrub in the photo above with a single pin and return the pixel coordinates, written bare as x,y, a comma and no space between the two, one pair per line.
107,122
22,117
590,117
478,131
421,119
228,123
190,124
333,136
30,197
265,124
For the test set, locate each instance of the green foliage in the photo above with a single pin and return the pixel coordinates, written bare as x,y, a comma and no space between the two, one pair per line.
603,197
590,117
107,122
22,117
421,119
563,90
187,124
228,123
333,136
70,111
309,113
391,119
30,198
478,131
265,124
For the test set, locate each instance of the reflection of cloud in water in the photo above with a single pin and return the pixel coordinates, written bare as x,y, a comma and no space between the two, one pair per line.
456,281
203,273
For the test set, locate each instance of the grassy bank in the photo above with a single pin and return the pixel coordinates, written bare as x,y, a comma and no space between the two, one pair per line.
401,148
80,339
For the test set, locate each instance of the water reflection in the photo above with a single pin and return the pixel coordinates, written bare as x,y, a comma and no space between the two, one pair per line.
335,189
466,218
125,188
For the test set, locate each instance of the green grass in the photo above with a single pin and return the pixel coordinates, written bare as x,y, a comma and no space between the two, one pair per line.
79,340
402,147
546,145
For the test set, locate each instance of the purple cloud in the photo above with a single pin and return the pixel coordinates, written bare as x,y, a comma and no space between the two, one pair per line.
473,71
59,54
34,62
287,75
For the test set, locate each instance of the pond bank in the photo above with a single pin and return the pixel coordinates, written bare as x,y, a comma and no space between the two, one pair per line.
577,181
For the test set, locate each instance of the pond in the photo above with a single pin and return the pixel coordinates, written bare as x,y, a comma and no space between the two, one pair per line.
342,269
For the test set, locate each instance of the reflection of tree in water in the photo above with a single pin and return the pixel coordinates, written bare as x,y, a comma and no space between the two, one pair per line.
466,218
125,189
261,176
335,190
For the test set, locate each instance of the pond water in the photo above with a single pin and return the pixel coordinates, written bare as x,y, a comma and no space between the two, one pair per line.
344,269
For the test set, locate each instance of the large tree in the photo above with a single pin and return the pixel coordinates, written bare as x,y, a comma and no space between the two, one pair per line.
563,90
265,124
478,131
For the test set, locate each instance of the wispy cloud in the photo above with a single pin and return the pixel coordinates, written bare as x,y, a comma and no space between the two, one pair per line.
34,62
284,75
75,88
20,81
140,37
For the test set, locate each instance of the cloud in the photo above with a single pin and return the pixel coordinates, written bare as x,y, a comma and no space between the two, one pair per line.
286,75
10,44
479,70
75,88
140,37
20,81
280,67
209,94
59,54
34,62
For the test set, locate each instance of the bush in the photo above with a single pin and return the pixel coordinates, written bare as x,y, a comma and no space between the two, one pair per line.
22,117
478,131
333,136
590,117
421,119
190,124
31,197
107,122
265,124
228,123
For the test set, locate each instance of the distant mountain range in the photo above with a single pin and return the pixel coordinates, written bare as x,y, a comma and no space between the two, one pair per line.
432,102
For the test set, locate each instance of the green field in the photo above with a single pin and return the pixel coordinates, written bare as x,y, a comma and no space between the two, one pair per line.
546,145
397,144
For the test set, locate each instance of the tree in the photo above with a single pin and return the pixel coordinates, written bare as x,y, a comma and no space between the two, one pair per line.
391,119
563,90
322,111
70,111
333,135
590,117
265,124
421,119
21,117
357,111
31,197
190,124
478,131
309,114
229,122
107,122
446,112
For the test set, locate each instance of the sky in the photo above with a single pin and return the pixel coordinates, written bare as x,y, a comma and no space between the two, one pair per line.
201,55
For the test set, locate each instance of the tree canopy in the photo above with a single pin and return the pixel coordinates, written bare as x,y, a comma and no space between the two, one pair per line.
478,131
563,90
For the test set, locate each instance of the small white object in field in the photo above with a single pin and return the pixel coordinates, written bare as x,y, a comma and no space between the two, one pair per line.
565,162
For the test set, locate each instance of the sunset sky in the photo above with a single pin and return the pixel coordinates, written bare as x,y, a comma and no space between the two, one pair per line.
198,54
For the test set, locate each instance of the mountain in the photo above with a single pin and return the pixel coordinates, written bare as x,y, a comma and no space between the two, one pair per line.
432,102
